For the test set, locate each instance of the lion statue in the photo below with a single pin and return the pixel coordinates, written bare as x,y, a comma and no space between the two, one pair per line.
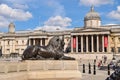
54,50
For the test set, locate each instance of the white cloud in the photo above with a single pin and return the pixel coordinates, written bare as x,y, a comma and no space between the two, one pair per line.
8,14
56,23
3,22
95,2
58,8
115,14
15,14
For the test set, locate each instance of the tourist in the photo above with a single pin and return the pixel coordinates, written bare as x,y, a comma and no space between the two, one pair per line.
105,59
99,63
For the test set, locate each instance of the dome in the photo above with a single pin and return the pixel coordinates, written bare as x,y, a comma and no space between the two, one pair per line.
92,15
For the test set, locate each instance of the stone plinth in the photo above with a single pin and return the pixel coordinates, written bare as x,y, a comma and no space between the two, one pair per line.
54,74
40,69
52,65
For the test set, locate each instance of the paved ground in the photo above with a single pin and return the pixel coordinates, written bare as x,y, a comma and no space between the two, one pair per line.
100,74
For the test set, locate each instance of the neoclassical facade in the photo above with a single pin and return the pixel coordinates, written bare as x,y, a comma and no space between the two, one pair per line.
17,41
91,38
95,38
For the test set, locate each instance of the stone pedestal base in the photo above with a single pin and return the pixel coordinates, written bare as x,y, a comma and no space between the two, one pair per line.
67,75
40,70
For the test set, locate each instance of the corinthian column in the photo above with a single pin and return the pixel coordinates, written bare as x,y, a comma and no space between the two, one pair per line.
72,44
81,43
108,43
97,43
86,43
29,42
102,43
92,48
76,44
41,42
33,41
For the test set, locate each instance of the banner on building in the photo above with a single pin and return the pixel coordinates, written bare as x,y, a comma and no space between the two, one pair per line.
105,41
74,42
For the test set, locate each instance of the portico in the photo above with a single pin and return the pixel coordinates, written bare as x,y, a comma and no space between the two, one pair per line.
40,41
89,43
92,37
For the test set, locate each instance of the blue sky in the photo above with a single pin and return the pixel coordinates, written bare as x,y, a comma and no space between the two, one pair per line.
55,14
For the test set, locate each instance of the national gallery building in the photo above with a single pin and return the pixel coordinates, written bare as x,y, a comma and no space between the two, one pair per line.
91,38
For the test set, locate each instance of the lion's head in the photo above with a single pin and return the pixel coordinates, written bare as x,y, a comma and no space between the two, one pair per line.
57,43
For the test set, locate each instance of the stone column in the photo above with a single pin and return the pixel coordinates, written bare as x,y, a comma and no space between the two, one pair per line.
3,47
33,41
103,43
46,41
97,43
81,43
72,44
29,42
86,43
92,44
41,42
13,50
12,46
108,44
115,44
76,44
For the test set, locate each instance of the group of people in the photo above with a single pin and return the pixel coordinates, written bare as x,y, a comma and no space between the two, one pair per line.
114,64
103,61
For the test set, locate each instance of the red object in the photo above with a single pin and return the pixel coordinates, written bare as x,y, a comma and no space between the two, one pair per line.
105,41
74,42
